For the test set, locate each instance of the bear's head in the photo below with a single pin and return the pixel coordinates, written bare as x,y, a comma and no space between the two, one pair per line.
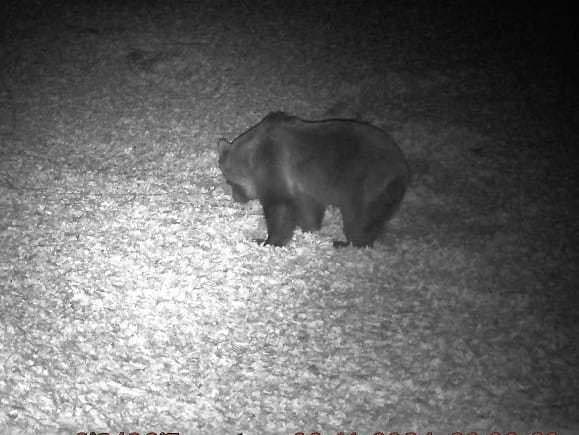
235,164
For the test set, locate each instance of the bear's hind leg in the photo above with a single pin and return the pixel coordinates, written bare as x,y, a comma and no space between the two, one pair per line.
310,213
360,231
354,220
363,223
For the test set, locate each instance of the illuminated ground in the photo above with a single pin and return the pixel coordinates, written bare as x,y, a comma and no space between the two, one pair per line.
133,297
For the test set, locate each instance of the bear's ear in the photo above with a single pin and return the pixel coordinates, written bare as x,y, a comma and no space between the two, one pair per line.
223,146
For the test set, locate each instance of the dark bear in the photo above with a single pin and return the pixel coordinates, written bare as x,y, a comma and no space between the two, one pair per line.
296,168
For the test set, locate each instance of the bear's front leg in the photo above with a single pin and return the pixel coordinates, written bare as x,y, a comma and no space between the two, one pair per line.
280,218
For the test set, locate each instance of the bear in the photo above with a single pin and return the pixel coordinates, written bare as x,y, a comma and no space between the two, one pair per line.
296,168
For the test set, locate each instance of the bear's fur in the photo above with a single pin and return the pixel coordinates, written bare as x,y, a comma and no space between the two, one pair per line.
296,168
